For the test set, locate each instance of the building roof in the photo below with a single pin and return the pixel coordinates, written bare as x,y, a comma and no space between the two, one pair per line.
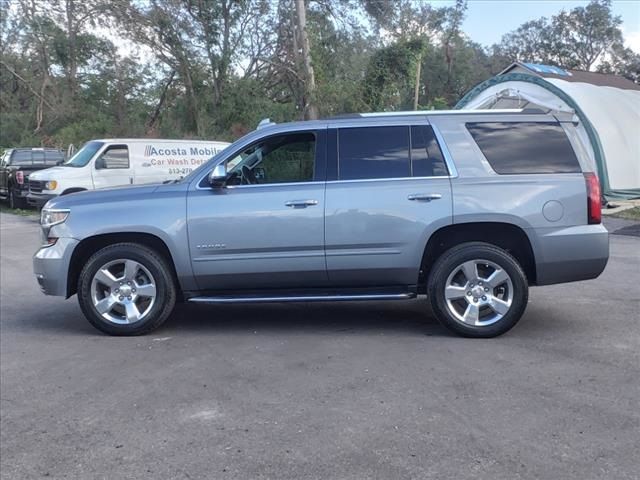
550,71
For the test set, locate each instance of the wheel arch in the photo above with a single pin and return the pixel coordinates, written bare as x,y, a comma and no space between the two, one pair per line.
507,236
91,245
73,190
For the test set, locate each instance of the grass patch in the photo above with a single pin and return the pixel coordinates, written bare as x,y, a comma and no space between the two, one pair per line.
628,214
17,211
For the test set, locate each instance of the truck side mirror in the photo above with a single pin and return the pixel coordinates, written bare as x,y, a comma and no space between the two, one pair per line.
218,176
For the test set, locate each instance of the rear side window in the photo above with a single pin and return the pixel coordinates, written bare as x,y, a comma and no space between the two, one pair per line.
373,152
426,157
525,147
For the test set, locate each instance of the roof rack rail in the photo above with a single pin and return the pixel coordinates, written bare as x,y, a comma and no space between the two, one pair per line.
534,110
417,113
265,122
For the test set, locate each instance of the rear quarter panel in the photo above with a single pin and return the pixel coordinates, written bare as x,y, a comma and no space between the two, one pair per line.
480,194
550,208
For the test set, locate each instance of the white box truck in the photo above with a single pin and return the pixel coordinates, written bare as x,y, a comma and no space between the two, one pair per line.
114,162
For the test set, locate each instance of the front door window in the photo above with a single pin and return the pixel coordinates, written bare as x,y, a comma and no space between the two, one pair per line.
280,159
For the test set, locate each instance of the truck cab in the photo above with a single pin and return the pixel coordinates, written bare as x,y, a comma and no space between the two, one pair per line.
16,167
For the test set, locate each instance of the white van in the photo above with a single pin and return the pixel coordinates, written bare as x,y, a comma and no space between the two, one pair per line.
118,161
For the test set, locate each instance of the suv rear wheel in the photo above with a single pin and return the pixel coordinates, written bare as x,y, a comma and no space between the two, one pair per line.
478,290
126,289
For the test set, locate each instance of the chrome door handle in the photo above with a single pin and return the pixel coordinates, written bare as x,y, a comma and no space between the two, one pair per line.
301,203
424,197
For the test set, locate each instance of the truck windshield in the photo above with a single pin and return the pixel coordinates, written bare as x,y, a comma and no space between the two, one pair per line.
86,153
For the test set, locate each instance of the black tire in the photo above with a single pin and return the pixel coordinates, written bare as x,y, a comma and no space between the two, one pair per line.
449,262
165,288
16,201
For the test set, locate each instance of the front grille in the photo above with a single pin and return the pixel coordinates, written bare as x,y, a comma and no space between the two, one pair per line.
36,186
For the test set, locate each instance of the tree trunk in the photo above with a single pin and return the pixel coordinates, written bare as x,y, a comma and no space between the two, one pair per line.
310,107
223,64
192,101
121,100
153,120
72,48
416,91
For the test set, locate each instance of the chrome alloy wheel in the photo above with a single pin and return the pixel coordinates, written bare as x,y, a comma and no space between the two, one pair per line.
123,291
478,293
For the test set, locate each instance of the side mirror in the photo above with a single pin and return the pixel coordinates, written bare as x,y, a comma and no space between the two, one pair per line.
218,176
100,163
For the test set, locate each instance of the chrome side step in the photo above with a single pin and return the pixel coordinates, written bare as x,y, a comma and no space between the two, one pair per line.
302,298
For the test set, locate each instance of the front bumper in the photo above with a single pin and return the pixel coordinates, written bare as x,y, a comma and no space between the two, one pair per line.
51,266
21,192
571,254
39,199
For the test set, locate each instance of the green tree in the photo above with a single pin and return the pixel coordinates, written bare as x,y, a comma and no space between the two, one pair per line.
580,38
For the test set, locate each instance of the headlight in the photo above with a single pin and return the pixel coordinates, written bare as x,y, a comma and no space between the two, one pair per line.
51,185
49,218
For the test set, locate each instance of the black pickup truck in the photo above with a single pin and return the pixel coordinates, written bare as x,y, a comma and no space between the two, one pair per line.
15,166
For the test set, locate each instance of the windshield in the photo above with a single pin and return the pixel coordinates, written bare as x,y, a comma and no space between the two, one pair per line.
86,153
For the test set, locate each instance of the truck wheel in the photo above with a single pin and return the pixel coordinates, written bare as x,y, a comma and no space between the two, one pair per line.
126,289
477,290
14,200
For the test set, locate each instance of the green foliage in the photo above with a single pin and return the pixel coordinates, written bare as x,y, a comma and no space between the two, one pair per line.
78,132
214,69
387,81
242,108
17,211
578,39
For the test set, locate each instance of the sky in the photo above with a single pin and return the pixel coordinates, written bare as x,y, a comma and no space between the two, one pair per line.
487,20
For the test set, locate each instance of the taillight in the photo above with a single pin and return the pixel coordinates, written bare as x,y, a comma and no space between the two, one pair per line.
594,205
20,177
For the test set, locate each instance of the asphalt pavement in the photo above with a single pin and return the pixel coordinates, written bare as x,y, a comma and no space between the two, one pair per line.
321,391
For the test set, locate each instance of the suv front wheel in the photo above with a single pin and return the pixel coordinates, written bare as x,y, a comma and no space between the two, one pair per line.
478,290
126,289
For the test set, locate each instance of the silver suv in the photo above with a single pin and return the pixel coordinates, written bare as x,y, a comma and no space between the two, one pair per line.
469,207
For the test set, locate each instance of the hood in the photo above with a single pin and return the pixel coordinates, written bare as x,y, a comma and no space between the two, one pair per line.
57,173
111,195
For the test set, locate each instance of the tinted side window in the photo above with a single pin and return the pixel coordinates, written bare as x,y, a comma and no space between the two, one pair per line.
373,152
21,157
52,157
37,156
426,157
525,147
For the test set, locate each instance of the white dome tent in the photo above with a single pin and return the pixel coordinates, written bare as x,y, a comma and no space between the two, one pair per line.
607,107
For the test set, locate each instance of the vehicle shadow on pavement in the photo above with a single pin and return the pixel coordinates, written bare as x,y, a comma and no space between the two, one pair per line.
412,317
